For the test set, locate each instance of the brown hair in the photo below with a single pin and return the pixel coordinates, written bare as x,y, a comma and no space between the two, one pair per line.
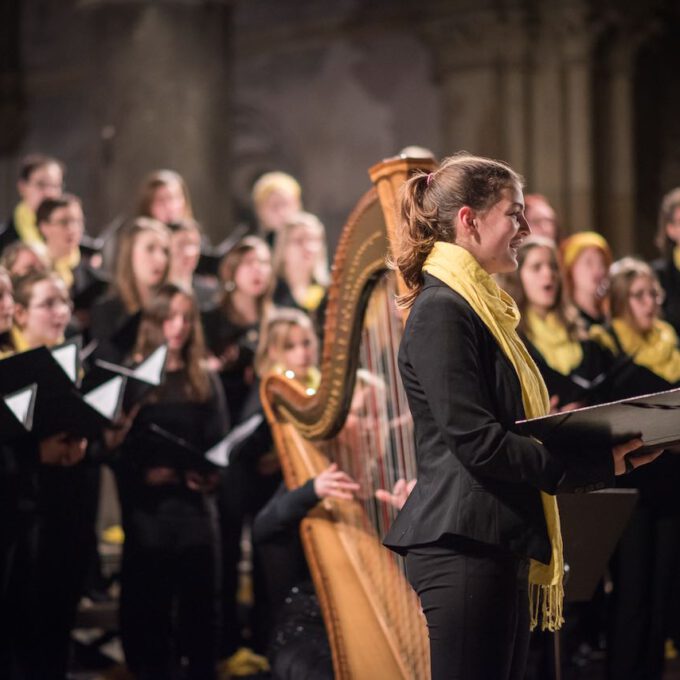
34,161
124,281
669,204
150,337
565,311
49,205
23,286
622,275
431,201
227,273
11,254
154,181
275,330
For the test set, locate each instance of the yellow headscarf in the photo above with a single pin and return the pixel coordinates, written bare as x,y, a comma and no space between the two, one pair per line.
656,350
456,267
550,337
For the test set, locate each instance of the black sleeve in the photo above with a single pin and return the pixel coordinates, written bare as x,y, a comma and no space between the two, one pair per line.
283,512
219,421
444,349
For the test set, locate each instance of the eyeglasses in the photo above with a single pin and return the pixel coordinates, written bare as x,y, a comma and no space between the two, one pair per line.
657,296
52,303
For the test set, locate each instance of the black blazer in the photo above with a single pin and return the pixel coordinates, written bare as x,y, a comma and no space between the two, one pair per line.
477,478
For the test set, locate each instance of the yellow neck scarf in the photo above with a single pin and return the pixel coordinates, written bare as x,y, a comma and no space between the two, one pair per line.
676,257
656,350
459,270
20,343
25,224
64,266
550,337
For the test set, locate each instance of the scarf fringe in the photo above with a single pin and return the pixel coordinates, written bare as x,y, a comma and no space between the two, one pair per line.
546,601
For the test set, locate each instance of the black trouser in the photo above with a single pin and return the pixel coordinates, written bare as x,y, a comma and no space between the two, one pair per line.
643,570
169,593
475,600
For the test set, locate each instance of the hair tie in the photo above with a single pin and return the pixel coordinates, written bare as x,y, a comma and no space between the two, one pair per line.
429,179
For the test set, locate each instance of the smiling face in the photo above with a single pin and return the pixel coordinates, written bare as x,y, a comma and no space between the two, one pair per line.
149,258
644,301
540,279
44,320
177,326
500,231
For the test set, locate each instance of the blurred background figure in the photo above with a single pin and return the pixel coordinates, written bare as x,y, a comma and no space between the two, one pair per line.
276,197
541,216
164,195
20,258
667,267
586,257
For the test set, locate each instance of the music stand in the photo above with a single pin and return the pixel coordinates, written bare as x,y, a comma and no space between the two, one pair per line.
592,524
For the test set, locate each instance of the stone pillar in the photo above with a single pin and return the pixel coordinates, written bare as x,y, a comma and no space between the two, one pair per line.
160,94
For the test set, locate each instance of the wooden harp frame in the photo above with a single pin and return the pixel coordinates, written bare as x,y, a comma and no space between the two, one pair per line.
367,649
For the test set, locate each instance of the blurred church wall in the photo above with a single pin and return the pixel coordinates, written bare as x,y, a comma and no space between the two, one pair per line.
579,95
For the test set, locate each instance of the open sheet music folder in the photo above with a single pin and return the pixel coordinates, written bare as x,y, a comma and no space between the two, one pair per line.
654,417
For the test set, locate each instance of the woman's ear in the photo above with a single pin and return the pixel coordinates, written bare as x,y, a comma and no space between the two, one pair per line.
466,222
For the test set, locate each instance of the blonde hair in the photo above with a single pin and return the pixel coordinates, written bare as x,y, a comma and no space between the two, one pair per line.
622,275
669,204
272,182
320,273
124,280
430,204
275,331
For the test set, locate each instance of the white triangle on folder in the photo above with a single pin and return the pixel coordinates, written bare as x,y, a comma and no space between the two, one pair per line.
106,398
151,369
67,357
22,403
221,452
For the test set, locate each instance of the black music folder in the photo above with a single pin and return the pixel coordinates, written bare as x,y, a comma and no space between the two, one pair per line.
653,417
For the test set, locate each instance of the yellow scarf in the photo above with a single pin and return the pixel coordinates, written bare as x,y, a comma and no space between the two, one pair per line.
25,224
656,350
313,297
458,269
676,257
64,266
550,337
311,381
20,343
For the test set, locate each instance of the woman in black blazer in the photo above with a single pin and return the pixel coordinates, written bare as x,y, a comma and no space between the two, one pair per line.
477,514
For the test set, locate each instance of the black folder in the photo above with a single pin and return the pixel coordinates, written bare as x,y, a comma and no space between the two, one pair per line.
653,417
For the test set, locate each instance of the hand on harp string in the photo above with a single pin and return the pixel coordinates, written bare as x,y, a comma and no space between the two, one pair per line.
334,483
399,494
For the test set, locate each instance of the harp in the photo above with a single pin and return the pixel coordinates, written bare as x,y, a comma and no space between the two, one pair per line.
358,418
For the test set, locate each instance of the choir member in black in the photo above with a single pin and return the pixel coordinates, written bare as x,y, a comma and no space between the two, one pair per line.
298,648
49,566
141,266
276,197
185,252
646,560
482,505
170,574
232,327
667,267
551,327
6,311
61,223
288,345
40,177
301,266
586,257
20,258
